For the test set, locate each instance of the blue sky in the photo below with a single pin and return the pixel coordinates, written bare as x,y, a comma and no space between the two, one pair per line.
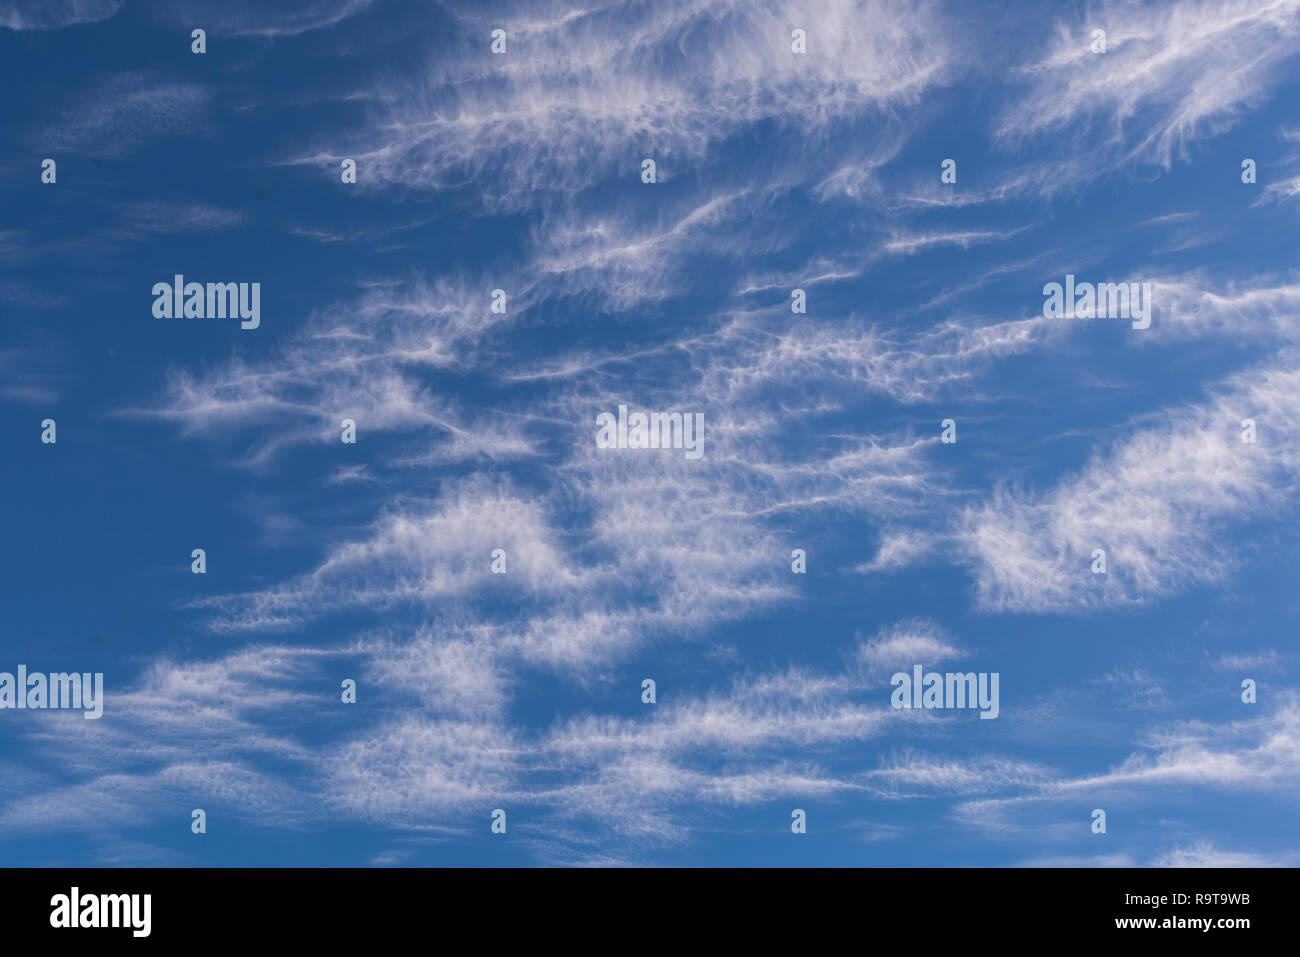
776,171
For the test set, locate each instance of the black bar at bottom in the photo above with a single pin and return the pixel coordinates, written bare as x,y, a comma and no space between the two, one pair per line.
642,908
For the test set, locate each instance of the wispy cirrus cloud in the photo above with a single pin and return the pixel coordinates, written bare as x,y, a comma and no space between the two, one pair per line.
1171,73
668,83
248,18
124,111
1257,756
54,14
776,171
1157,504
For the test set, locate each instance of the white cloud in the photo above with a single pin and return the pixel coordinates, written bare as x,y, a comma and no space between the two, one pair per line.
124,111
582,94
415,555
901,646
1172,73
54,14
1157,503
1207,854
